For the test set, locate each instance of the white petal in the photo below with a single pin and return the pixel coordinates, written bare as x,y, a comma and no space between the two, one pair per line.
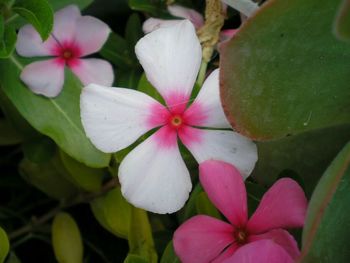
206,110
152,24
114,118
187,13
30,44
93,70
171,58
44,77
224,146
91,34
65,23
155,178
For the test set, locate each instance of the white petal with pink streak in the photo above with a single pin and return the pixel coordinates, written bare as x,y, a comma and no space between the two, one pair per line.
93,70
91,34
30,44
114,118
152,24
44,77
224,146
187,13
171,58
154,177
206,111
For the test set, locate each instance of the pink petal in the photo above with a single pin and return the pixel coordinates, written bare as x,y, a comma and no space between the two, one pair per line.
263,251
226,254
283,206
65,23
227,34
171,58
91,34
30,44
221,145
206,111
152,24
44,77
187,13
225,188
114,118
93,70
282,238
154,177
201,239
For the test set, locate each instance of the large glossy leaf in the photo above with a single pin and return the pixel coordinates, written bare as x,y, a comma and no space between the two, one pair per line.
4,245
113,212
284,72
37,12
86,178
48,177
66,239
58,118
140,236
305,155
326,234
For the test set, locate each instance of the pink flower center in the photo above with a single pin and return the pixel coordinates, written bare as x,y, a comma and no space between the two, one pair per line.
176,121
241,236
67,53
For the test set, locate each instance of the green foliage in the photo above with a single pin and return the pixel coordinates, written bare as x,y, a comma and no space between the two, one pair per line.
4,245
8,134
7,41
88,179
327,229
205,207
134,259
292,76
58,4
169,255
61,121
342,22
37,12
66,239
140,236
113,212
151,7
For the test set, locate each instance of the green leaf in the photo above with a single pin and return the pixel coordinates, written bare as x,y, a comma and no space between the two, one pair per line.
169,255
205,207
326,233
113,212
2,27
133,30
39,150
66,239
190,209
146,87
8,135
306,155
58,4
38,13
117,51
342,22
140,236
4,245
58,118
48,177
89,179
286,74
128,79
148,6
8,42
135,259
12,258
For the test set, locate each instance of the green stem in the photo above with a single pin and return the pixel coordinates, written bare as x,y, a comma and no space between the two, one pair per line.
202,72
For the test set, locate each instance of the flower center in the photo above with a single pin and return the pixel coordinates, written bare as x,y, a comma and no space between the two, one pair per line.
67,54
241,236
176,121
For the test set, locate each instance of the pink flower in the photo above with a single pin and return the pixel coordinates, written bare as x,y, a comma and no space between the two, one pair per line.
153,176
262,238
73,37
192,15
